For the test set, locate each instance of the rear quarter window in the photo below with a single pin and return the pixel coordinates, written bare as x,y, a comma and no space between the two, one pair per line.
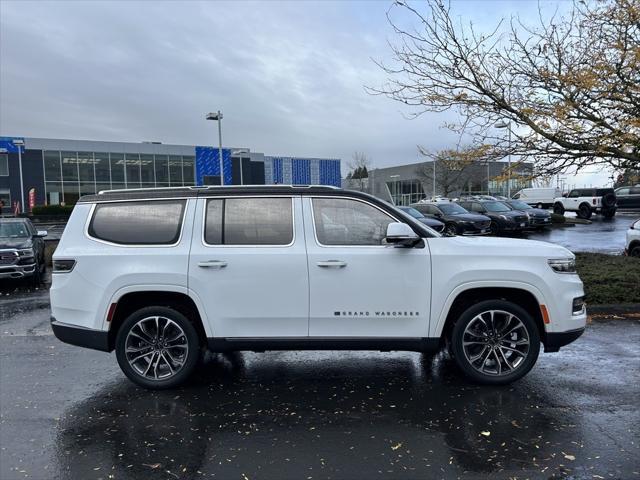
138,223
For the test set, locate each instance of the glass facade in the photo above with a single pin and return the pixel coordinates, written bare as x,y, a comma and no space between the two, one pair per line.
69,175
405,192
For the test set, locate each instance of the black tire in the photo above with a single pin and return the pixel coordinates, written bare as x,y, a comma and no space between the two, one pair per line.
495,229
584,211
558,209
450,229
609,213
189,338
36,277
634,251
608,200
527,361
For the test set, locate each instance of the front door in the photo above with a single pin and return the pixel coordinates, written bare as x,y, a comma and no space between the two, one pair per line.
359,286
248,266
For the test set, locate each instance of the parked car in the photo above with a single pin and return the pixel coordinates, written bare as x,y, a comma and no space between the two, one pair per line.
538,217
21,250
628,197
437,225
457,220
587,201
538,197
503,218
632,247
160,275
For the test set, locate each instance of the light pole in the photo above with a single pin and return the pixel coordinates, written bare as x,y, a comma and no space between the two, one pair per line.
433,194
20,143
218,116
240,152
507,125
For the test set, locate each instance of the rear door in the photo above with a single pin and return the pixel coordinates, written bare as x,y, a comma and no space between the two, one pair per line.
360,287
634,197
248,266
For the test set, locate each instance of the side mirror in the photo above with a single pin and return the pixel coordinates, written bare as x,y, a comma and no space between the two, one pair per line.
565,195
42,233
401,234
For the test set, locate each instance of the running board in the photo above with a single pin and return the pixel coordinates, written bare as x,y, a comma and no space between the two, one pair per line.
327,343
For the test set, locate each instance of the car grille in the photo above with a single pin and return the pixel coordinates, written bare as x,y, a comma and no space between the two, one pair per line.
8,257
482,225
521,218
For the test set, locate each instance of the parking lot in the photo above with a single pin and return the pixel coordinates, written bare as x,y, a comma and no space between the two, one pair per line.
70,413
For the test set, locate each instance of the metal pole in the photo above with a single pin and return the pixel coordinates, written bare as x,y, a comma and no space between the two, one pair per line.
220,147
509,172
488,179
241,180
21,181
434,179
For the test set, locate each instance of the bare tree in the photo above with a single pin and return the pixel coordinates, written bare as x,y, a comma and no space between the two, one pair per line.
453,168
568,88
359,166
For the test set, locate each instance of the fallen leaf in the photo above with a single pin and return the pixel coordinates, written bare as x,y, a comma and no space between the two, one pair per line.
395,447
485,433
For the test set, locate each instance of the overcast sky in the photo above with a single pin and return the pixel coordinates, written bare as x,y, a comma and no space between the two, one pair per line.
289,76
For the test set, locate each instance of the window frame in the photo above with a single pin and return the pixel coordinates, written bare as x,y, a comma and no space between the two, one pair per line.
205,202
342,197
6,156
89,220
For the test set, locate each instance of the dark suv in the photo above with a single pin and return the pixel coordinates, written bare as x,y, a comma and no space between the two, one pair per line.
457,220
21,250
628,197
538,217
503,218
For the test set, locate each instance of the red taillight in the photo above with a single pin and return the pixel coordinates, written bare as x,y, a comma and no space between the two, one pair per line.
111,312
595,201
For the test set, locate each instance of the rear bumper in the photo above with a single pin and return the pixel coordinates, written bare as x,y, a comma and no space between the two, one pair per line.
555,340
80,336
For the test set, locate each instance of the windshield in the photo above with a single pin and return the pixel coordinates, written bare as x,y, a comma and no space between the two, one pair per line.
13,230
452,209
412,211
520,205
496,207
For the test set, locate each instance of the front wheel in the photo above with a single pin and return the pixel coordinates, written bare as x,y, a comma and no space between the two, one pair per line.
157,347
495,342
584,211
450,230
608,213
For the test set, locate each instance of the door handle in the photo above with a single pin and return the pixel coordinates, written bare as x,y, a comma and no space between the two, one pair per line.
332,263
212,264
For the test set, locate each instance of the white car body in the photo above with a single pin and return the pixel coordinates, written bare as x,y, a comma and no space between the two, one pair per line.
268,297
538,197
632,246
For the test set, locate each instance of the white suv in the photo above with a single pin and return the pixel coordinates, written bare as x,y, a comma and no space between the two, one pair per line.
161,275
587,201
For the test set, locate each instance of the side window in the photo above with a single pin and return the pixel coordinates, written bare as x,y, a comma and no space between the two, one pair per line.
634,190
623,191
249,221
574,194
138,223
476,207
341,221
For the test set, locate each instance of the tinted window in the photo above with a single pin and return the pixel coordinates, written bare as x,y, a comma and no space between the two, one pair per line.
496,207
452,209
574,194
249,221
340,221
138,223
623,191
4,165
635,191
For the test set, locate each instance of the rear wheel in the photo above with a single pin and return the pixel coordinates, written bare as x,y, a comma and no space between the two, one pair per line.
609,213
495,342
157,347
584,211
635,251
495,230
558,209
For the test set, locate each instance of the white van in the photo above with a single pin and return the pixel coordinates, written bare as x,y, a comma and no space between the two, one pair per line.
538,197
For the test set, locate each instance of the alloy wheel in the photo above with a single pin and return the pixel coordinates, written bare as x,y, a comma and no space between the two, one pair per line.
156,348
496,342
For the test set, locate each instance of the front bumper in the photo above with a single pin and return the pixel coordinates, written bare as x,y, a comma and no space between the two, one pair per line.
555,340
17,271
81,336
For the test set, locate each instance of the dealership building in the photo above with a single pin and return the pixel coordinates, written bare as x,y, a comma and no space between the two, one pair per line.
47,171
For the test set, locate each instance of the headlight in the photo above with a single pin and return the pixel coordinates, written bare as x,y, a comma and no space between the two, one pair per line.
26,252
563,265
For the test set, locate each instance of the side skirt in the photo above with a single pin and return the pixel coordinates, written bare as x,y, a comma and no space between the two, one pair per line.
340,343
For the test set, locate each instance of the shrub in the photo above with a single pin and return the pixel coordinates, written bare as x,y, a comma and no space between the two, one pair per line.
52,210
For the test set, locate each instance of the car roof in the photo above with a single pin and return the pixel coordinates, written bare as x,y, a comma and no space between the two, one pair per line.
14,220
213,190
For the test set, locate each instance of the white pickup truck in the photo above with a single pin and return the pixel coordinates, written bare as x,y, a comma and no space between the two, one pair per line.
161,275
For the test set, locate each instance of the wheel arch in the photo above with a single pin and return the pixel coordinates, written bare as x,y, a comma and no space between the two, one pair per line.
524,295
131,300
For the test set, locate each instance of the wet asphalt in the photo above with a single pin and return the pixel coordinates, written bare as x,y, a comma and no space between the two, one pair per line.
68,413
